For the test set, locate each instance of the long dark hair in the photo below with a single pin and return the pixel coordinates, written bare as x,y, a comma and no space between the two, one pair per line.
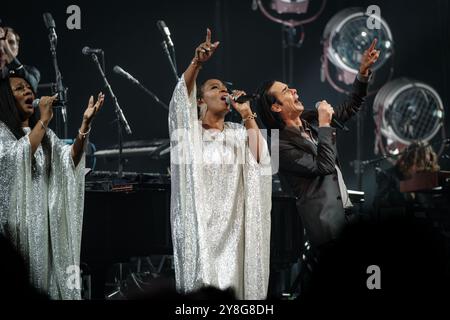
10,115
269,118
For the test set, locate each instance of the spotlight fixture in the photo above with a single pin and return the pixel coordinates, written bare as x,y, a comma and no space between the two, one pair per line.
406,111
346,37
290,6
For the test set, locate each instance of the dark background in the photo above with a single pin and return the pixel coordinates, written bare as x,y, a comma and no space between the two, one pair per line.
250,52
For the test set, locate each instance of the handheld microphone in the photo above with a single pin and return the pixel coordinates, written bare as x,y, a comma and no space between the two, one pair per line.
335,122
241,99
87,51
165,32
36,102
50,24
125,74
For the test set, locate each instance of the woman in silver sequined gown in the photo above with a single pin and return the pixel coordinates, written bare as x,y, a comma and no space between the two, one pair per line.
42,188
221,188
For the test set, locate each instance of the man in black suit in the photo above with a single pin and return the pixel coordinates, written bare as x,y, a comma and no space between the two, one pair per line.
308,156
9,64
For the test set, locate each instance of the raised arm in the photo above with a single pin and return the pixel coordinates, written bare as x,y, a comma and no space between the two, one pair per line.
352,105
46,111
202,54
255,139
88,116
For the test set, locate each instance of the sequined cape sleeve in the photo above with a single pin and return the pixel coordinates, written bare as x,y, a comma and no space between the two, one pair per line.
186,189
66,204
15,169
258,205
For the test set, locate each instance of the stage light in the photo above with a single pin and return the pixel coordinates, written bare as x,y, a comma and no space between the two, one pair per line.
406,111
291,15
286,12
290,6
347,35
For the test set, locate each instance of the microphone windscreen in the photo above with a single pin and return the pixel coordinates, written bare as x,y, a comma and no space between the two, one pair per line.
35,103
117,69
161,25
48,20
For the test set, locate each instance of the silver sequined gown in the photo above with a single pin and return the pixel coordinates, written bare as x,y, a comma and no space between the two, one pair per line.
41,210
220,205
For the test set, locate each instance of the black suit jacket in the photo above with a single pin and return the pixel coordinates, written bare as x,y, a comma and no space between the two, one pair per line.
308,170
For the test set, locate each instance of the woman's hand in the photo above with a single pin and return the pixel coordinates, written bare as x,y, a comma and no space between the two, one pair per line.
243,108
88,116
5,48
205,50
46,108
92,109
202,54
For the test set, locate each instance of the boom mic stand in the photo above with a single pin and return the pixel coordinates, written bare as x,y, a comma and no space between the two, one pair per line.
133,80
58,85
170,58
121,120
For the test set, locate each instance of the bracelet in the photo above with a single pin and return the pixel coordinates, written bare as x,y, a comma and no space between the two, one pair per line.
43,125
83,135
197,63
251,117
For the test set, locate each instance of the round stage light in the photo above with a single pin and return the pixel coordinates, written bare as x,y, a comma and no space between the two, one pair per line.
408,111
348,34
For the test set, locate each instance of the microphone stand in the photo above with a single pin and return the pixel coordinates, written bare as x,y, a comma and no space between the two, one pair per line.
60,89
121,120
171,59
390,156
141,86
154,96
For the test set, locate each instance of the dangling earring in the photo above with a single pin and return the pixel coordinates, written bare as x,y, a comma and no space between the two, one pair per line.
202,111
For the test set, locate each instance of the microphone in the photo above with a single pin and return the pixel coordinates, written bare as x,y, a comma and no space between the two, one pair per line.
165,32
50,24
36,102
336,123
87,51
241,99
125,74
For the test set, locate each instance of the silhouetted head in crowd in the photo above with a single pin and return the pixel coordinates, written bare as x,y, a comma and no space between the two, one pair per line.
14,275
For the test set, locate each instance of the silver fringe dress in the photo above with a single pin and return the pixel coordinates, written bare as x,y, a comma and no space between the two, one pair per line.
41,210
220,204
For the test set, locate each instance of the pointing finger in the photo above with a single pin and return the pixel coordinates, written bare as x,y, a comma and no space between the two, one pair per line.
372,46
208,35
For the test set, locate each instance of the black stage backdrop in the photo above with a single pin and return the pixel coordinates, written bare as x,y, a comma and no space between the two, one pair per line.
250,52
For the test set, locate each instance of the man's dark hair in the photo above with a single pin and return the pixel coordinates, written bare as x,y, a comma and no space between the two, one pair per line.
269,118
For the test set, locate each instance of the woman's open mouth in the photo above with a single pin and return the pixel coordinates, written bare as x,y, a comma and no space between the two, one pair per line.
29,102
